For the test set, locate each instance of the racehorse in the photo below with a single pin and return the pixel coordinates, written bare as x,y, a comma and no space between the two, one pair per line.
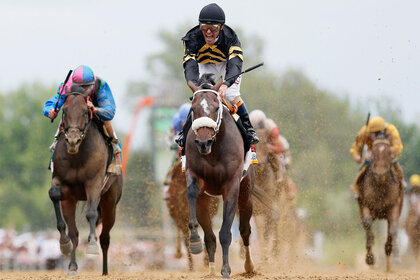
412,226
80,163
279,228
214,163
380,197
267,218
178,208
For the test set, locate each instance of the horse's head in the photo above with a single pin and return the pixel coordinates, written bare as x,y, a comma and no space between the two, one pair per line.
76,117
207,113
381,156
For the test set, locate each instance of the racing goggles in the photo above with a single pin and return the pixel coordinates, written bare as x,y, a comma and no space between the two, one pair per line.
213,27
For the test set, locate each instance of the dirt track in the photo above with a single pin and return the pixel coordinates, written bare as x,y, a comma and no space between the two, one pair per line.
163,275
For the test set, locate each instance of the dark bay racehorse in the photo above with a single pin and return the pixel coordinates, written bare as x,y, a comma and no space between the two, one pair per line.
80,162
178,208
381,197
214,162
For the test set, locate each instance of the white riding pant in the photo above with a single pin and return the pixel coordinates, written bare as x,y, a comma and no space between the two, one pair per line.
219,69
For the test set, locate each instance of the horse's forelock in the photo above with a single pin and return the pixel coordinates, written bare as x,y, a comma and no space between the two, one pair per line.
77,89
206,81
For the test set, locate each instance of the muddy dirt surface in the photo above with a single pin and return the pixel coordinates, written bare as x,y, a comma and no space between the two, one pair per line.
163,275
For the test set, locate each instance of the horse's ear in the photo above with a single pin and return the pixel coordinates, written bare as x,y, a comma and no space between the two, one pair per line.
192,86
217,86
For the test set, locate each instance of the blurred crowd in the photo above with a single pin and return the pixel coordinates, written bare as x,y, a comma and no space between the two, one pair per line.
41,251
29,251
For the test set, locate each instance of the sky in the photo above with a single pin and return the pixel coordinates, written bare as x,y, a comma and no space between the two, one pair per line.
360,49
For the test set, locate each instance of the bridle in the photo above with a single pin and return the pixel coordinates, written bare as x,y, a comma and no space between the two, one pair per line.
385,142
81,129
206,121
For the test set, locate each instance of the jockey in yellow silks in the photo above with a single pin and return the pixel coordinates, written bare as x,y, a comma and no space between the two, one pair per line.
376,127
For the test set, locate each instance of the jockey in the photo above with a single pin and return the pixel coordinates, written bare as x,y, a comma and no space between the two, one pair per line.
377,127
277,143
177,122
213,47
102,102
414,185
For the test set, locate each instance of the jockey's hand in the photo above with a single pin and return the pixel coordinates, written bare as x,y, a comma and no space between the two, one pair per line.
91,106
52,114
358,159
222,90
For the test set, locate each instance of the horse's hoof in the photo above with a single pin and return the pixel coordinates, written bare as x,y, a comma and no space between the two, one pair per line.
196,247
178,255
370,260
92,249
225,275
72,273
66,247
249,267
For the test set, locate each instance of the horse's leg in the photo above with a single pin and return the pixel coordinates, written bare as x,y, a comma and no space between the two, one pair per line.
108,213
185,233
245,213
192,192
178,253
392,235
93,198
55,196
367,221
203,216
230,204
69,213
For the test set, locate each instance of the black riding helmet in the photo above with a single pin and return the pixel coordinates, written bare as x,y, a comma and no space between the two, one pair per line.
212,13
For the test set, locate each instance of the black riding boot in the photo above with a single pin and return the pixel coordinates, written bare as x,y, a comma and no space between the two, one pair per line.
243,114
182,135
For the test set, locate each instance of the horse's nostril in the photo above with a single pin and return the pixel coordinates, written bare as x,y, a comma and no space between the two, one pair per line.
209,142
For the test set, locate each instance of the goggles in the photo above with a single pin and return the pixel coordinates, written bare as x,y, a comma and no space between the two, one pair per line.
213,27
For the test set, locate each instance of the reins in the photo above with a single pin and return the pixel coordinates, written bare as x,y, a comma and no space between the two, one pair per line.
215,124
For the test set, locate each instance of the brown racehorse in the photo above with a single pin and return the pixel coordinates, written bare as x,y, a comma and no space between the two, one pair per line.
178,208
381,197
214,163
279,228
267,218
412,226
80,162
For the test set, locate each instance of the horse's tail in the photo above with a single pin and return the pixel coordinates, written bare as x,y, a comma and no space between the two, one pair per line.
264,199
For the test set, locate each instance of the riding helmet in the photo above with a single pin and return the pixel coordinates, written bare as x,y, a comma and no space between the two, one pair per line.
415,180
212,13
83,76
376,124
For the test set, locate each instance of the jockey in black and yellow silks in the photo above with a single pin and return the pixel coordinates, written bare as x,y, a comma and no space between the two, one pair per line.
367,134
214,48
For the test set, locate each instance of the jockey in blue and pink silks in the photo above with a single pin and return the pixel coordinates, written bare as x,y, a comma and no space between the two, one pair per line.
102,102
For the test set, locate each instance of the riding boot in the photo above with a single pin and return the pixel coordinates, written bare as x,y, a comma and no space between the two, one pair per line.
54,143
115,143
181,138
243,114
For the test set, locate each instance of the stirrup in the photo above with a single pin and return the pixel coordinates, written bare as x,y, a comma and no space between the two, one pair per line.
183,162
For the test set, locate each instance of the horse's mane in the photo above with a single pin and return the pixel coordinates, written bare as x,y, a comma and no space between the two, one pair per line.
206,81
